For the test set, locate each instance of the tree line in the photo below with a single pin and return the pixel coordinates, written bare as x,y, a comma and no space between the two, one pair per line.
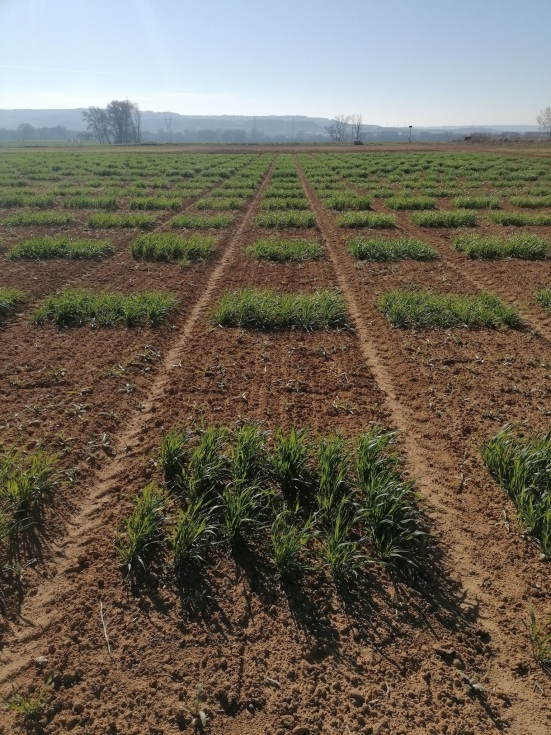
344,126
119,122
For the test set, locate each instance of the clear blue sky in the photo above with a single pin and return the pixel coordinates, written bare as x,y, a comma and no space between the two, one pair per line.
398,62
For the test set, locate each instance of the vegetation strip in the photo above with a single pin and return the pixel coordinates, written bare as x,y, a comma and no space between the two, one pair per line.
168,246
425,310
304,501
373,221
10,299
127,221
459,218
266,309
521,466
43,248
279,250
378,248
528,247
76,308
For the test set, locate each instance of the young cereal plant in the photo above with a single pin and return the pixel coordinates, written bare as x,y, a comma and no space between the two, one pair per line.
142,529
30,707
197,712
291,461
164,246
521,467
540,641
244,511
174,455
343,555
207,470
250,462
333,460
192,535
10,299
288,543
126,221
374,221
427,310
23,484
465,202
405,202
201,221
284,219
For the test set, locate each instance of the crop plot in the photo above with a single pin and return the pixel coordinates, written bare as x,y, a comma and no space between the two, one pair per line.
307,470
41,248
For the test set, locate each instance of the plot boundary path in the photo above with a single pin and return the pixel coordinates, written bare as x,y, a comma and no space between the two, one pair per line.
81,525
464,555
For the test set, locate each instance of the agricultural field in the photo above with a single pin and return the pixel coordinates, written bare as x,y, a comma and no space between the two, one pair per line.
275,448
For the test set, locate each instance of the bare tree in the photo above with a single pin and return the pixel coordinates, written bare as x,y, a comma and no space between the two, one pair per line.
332,130
544,121
356,125
97,122
120,121
342,122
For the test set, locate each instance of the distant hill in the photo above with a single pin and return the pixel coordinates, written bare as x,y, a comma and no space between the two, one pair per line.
243,128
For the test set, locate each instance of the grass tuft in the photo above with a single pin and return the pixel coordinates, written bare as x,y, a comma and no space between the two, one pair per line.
466,202
399,203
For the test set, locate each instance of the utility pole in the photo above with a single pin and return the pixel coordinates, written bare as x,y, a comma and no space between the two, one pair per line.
410,133
168,123
253,131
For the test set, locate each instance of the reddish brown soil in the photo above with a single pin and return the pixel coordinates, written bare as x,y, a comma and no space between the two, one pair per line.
388,657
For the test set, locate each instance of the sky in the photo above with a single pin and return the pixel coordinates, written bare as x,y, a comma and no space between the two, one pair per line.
397,62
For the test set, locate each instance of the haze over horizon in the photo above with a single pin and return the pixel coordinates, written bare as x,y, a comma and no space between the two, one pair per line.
428,63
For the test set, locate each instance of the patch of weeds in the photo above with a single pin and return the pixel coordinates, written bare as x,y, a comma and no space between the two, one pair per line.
108,203
155,203
540,641
347,201
30,706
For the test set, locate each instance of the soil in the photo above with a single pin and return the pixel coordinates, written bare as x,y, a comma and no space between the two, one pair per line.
398,653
